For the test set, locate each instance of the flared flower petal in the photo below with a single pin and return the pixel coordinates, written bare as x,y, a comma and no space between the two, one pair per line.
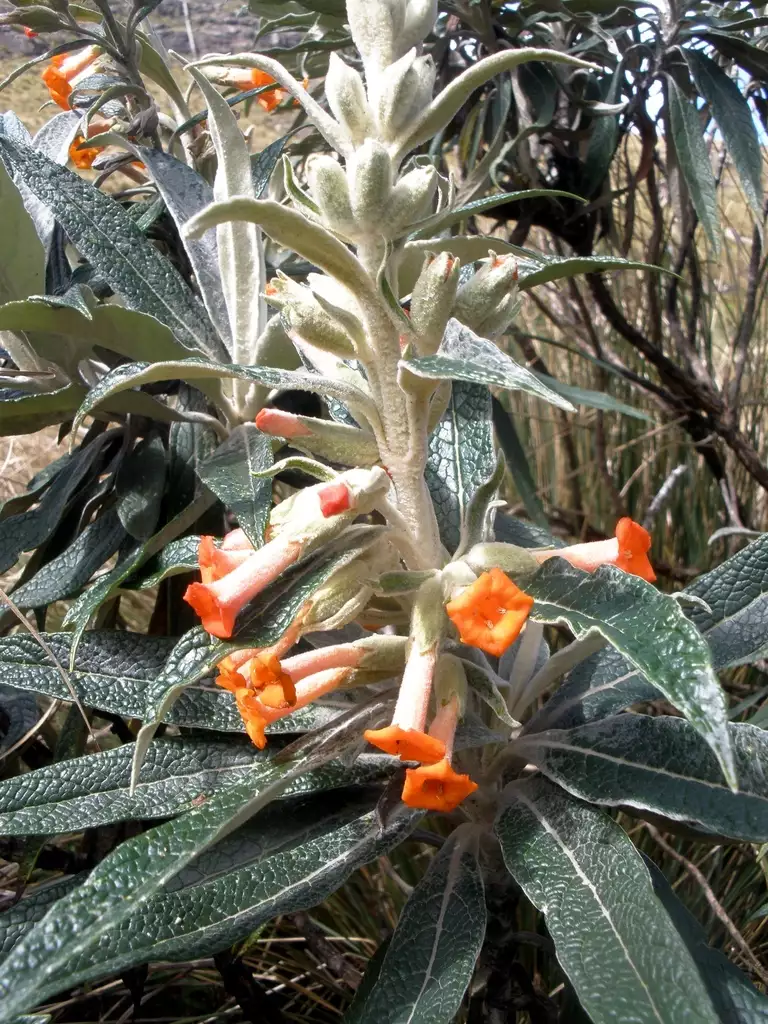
436,787
275,685
490,613
628,550
257,714
407,744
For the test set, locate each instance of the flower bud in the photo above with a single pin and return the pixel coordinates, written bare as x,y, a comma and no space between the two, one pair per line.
420,17
346,97
36,18
305,317
329,189
335,442
403,93
433,299
370,174
377,27
496,323
410,201
482,294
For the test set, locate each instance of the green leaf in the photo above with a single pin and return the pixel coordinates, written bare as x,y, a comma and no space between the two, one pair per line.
734,997
30,529
555,268
140,486
460,459
125,881
612,937
30,413
730,110
485,685
220,906
516,459
229,473
737,594
692,155
177,557
465,356
649,629
752,58
113,672
431,956
22,266
592,399
18,714
660,765
106,235
19,918
441,221
124,331
177,774
68,572
133,375
188,445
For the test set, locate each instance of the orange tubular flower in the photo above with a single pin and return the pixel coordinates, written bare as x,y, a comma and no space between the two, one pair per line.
236,540
83,158
490,613
63,69
628,550
219,603
278,423
405,737
273,684
438,787
217,562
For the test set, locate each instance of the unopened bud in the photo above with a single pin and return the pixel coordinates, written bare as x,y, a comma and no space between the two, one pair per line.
346,97
335,442
428,619
499,320
370,172
420,17
410,201
329,188
450,682
344,597
305,317
35,18
377,27
483,293
433,299
403,94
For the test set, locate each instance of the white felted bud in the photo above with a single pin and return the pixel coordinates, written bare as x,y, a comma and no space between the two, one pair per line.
305,317
432,301
483,293
499,320
403,94
420,18
329,189
346,97
370,177
377,27
411,200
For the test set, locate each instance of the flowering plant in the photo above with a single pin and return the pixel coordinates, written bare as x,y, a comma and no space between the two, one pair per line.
356,584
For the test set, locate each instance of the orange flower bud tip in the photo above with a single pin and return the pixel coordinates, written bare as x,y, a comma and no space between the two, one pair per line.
217,619
281,424
436,787
334,499
407,744
30,33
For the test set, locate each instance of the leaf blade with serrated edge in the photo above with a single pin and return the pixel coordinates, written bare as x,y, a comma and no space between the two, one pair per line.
230,473
662,766
612,937
105,234
649,629
431,956
465,356
692,155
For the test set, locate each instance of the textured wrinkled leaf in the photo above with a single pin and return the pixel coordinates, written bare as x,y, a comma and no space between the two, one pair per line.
68,572
139,487
18,714
86,792
124,882
264,163
124,331
431,956
736,628
516,459
188,445
222,906
133,375
465,356
229,473
177,557
612,937
461,458
692,155
18,919
113,672
648,628
731,112
26,414
485,685
106,235
660,765
734,997
512,530
30,529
